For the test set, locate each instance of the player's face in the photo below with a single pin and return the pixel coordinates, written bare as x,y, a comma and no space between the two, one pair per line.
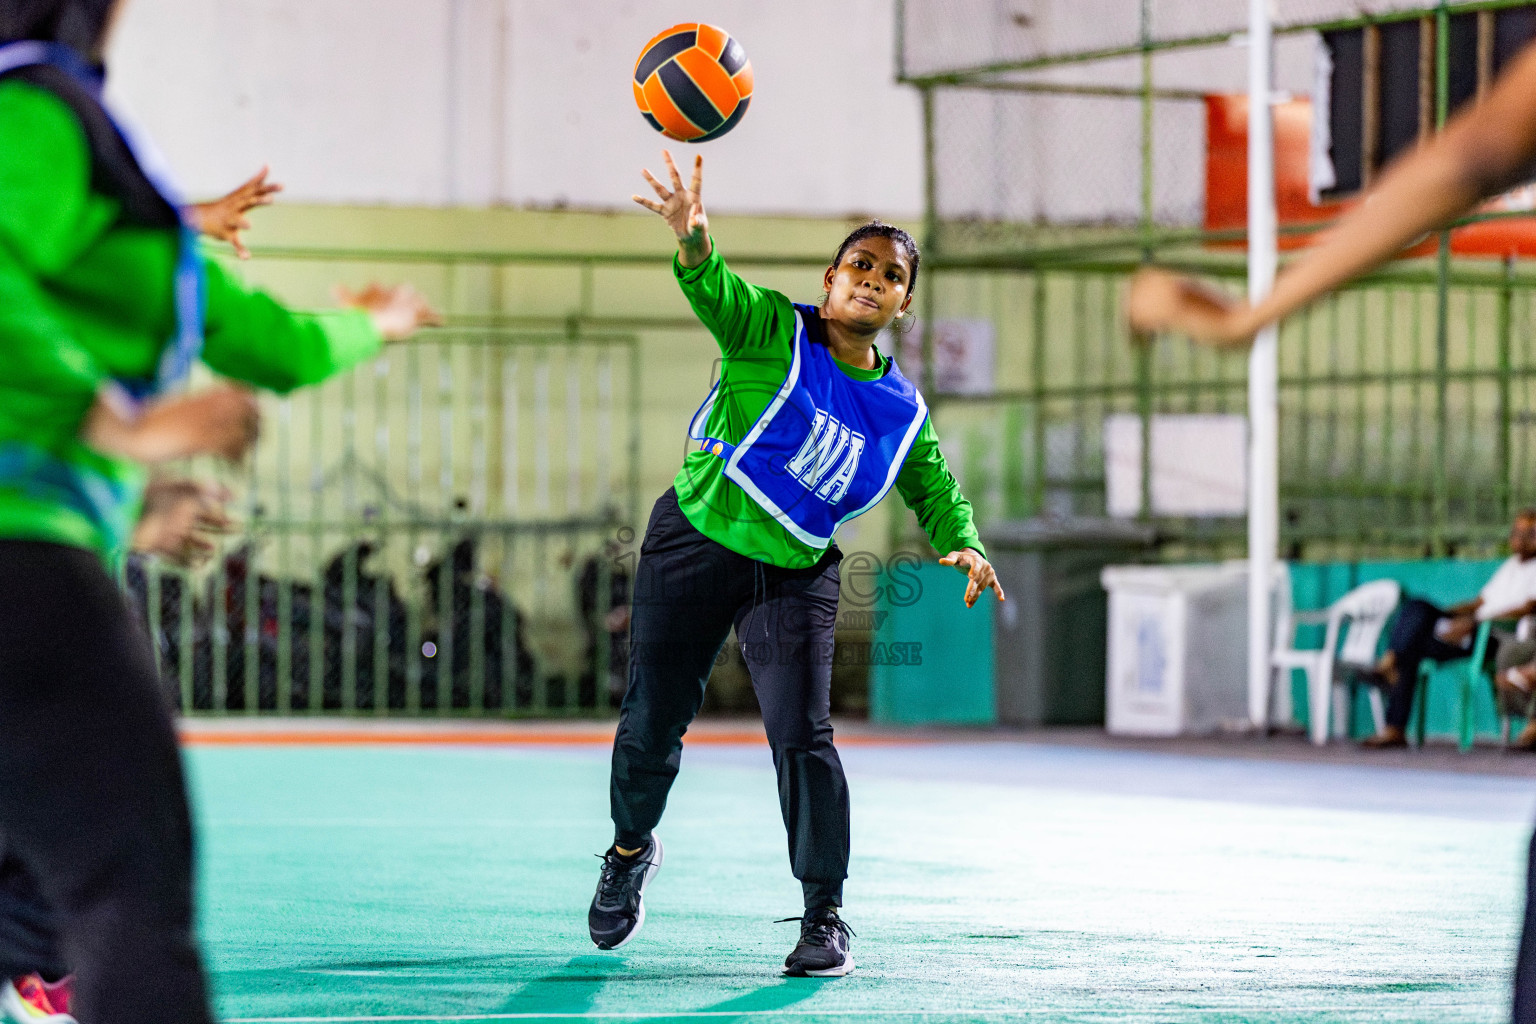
1522,538
869,287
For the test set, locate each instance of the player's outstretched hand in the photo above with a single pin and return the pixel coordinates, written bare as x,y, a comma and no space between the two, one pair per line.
398,311
982,575
682,209
1161,301
180,520
225,218
222,420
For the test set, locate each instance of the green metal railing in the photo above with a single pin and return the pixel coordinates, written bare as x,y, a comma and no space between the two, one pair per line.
1402,432
1403,399
416,534
444,530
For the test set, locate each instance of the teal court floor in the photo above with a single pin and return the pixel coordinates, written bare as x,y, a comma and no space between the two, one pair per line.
991,881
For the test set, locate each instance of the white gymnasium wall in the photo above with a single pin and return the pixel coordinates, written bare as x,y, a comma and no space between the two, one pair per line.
516,102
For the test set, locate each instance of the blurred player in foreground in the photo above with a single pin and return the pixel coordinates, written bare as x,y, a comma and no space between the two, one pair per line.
180,523
105,305
1480,154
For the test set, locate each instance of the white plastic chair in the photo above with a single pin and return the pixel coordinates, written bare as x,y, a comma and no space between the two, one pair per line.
1280,704
1359,617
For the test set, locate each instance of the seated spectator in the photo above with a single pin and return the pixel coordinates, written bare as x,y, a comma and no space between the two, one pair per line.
1514,682
605,620
1423,631
476,604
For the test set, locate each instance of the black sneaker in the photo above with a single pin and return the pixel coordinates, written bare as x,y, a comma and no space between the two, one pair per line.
822,951
618,909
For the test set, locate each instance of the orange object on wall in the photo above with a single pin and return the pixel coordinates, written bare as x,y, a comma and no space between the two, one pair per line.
1226,186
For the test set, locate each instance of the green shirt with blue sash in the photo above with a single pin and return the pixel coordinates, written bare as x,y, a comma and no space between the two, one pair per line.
755,329
86,297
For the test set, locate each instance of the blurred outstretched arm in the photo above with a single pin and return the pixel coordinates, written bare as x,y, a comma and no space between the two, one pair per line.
1481,153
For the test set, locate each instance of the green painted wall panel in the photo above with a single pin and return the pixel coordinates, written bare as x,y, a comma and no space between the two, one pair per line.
931,656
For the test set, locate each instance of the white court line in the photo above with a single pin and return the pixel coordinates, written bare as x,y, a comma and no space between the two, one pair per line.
806,1012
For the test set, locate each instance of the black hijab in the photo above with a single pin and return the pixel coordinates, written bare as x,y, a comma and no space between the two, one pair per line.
78,24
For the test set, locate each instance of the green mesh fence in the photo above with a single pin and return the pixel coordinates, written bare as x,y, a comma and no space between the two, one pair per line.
1386,448
1064,147
436,531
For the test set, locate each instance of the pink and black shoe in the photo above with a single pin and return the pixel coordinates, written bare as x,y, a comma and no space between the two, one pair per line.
31,1000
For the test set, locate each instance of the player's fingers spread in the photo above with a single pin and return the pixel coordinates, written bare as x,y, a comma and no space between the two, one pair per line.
214,522
649,204
677,179
661,190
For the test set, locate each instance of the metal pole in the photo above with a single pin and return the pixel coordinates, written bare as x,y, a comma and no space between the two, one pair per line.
1505,490
1263,387
1148,226
1439,480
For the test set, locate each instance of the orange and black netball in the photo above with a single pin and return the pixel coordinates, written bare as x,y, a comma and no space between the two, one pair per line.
693,82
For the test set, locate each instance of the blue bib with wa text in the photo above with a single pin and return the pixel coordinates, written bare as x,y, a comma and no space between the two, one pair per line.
827,447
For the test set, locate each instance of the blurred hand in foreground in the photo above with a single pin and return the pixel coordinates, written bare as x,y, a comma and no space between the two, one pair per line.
222,420
1162,301
398,311
180,520
225,218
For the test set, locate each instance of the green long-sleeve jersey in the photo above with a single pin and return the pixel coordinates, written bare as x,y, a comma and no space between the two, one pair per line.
755,329
86,297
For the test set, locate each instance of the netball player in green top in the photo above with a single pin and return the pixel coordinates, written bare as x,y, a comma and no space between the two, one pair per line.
105,304
809,427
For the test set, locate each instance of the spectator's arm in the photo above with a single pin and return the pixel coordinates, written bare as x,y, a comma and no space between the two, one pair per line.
1466,608
1512,614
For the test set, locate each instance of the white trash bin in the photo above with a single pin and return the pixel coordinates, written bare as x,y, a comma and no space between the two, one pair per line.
1178,648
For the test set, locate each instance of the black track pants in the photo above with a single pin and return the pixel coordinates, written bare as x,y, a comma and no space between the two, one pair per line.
1525,963
689,592
93,808
29,932
1413,640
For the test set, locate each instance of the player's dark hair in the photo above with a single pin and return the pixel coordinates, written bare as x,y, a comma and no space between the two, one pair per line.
878,229
78,24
